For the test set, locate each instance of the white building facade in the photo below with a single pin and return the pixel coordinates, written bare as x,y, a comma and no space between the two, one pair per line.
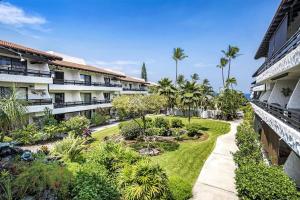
276,89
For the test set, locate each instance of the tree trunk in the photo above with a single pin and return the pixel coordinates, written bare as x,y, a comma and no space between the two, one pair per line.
223,77
229,63
176,71
189,114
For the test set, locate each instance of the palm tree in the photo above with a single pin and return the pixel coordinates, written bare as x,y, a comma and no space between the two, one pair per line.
206,93
12,113
189,95
222,65
231,81
178,54
195,77
230,53
166,88
180,79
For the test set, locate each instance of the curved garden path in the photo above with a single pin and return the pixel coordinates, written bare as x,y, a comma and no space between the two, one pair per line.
35,148
216,179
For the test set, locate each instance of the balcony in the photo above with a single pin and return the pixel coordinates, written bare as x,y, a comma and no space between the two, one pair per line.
59,84
23,72
38,105
289,116
287,48
134,89
80,103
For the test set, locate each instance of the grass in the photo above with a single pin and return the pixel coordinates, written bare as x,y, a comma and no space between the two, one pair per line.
184,164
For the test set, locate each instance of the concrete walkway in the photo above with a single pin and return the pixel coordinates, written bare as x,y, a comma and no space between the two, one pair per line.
216,179
35,148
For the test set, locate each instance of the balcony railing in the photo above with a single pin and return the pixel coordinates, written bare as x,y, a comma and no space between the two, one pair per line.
288,116
134,89
35,102
80,103
75,82
288,46
24,72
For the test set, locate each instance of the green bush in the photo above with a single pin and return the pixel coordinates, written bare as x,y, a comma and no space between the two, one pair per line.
130,130
98,119
193,129
176,123
92,182
161,122
161,145
143,181
27,135
51,131
113,157
149,122
76,125
69,148
153,131
258,181
38,177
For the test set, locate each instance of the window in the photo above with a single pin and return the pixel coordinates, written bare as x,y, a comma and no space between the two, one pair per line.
107,96
14,63
5,92
86,78
59,97
106,80
5,61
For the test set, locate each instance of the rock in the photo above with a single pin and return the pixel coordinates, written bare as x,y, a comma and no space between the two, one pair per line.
27,156
7,149
48,195
149,151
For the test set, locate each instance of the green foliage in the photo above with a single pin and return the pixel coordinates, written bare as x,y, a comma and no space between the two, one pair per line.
92,183
154,131
229,102
194,129
45,150
143,181
48,118
69,148
99,119
176,123
52,130
248,113
161,145
130,130
28,135
76,125
258,181
161,122
180,188
6,185
144,72
36,178
113,157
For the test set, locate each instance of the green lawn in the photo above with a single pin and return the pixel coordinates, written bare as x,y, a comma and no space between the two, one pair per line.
183,165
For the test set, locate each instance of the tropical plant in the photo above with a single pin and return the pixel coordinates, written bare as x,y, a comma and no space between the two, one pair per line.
6,185
130,131
143,181
189,96
137,106
161,122
195,77
206,94
99,119
69,148
28,134
167,89
12,113
76,125
222,65
48,118
176,123
231,53
180,79
144,72
178,54
230,82
193,129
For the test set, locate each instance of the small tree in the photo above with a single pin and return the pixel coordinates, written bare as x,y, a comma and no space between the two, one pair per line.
138,106
144,72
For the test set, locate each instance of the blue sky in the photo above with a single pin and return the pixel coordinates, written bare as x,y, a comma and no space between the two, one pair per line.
121,34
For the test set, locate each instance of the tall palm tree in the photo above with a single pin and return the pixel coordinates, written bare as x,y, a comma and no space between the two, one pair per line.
222,65
230,53
12,113
166,88
195,77
178,54
206,93
189,95
230,82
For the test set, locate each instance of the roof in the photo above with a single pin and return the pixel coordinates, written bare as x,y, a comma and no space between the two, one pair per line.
22,49
72,65
133,79
278,17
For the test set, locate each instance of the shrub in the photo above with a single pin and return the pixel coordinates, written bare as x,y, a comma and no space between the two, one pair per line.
149,122
113,157
45,150
98,119
176,123
69,148
76,125
194,129
38,177
180,188
153,131
142,181
48,118
92,183
51,131
258,181
130,130
161,122
161,145
28,135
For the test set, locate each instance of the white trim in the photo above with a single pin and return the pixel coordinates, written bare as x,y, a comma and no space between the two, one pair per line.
24,79
58,87
80,108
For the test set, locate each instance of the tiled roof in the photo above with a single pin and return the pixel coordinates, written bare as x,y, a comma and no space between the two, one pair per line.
84,67
23,49
133,79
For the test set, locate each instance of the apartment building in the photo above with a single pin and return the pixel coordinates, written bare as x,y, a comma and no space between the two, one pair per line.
276,89
64,84
27,71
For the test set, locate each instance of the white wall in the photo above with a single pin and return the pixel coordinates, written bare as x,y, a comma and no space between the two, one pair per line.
276,95
294,101
292,166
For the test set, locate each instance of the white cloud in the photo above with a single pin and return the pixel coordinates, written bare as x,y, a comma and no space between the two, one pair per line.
12,15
